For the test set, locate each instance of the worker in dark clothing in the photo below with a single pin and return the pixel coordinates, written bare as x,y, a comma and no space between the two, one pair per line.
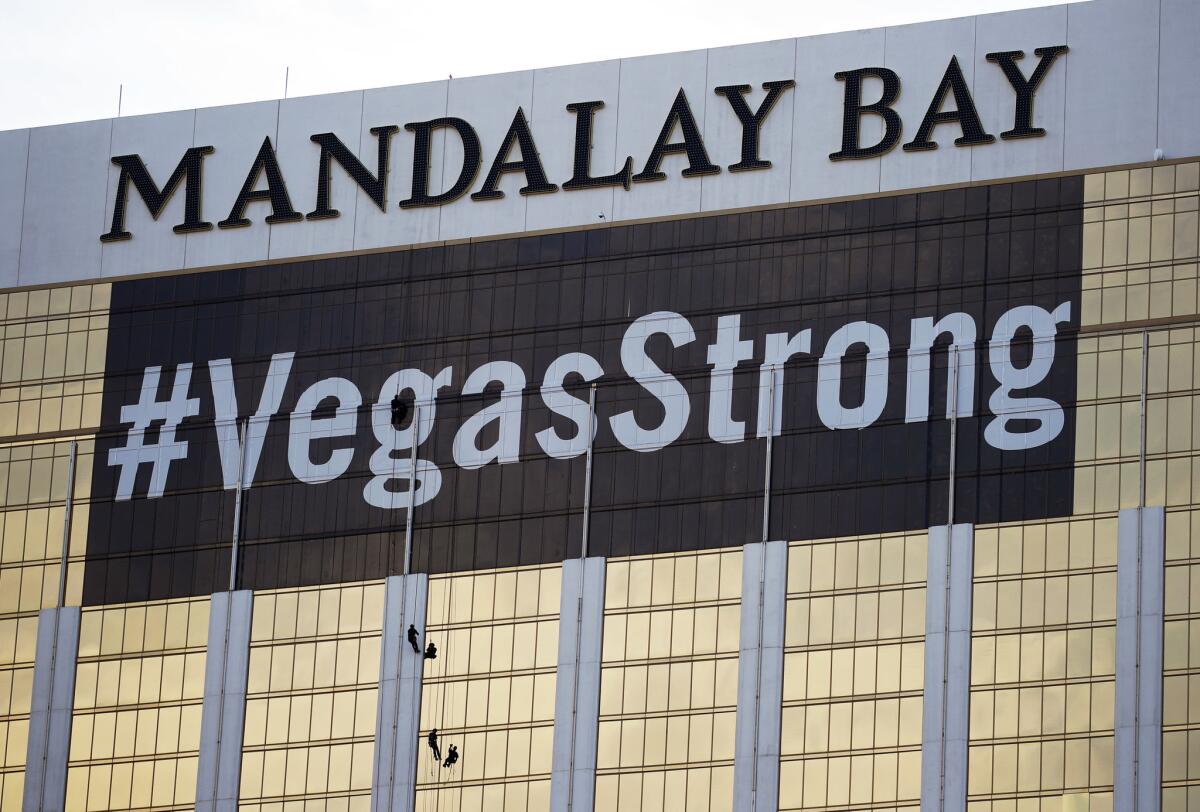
434,746
431,652
399,411
451,757
412,638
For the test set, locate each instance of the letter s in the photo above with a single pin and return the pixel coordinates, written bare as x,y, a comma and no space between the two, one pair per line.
561,402
666,388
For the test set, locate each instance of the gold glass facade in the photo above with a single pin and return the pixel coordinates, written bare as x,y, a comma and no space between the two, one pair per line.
139,688
1043,665
490,691
1140,267
852,676
18,640
51,369
311,699
1181,664
1042,671
668,683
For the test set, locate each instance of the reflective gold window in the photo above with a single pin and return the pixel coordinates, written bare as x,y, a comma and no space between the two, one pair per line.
1181,663
139,687
18,645
52,362
52,345
853,673
668,683
1043,663
490,691
1140,259
311,698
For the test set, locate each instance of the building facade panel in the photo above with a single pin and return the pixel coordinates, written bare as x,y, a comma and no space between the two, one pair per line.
490,691
935,378
668,684
796,290
1103,94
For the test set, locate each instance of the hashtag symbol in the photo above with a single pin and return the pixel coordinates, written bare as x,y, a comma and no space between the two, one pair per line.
142,414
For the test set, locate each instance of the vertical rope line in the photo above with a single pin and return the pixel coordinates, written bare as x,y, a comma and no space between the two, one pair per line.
404,614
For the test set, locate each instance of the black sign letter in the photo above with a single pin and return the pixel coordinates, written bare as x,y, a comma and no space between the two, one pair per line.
582,177
692,145
276,192
374,185
853,109
187,172
752,122
1025,88
423,151
530,164
965,115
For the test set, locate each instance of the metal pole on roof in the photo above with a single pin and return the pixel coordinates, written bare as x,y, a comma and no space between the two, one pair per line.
1142,421
243,435
953,402
587,475
415,428
766,513
66,542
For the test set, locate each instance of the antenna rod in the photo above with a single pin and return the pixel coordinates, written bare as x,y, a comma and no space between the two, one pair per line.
243,436
415,428
66,544
587,476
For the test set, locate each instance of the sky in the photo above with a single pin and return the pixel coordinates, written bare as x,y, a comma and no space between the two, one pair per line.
66,60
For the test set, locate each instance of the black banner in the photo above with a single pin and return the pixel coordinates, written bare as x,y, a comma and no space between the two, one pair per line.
678,323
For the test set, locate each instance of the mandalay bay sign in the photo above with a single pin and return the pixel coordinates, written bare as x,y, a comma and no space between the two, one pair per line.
951,104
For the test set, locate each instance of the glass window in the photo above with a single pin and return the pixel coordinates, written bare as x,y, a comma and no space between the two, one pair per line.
312,696
490,690
668,682
853,673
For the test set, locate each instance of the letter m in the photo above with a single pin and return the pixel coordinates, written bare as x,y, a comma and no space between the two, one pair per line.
187,172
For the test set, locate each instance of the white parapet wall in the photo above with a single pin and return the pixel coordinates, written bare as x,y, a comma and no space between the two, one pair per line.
577,686
760,677
947,697
1125,93
397,721
1137,745
51,705
222,723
